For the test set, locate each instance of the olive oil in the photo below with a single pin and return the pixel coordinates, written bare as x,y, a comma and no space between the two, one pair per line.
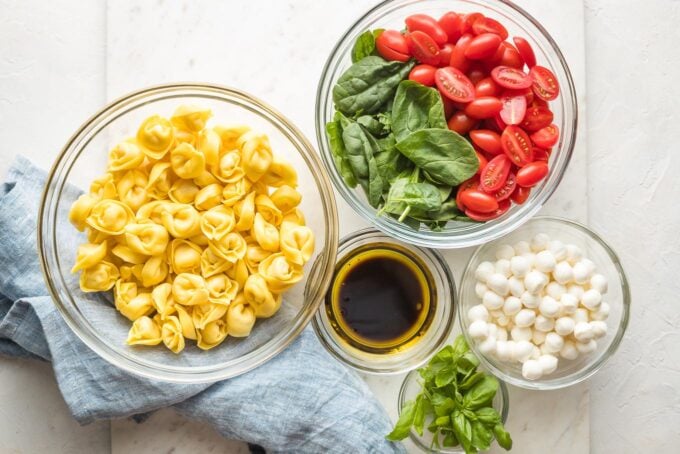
382,298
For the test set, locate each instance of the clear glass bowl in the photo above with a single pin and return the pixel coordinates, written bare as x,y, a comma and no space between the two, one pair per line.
391,14
415,354
92,316
618,296
410,389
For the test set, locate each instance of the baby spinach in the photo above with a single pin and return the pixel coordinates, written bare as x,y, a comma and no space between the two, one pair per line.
361,148
416,107
334,132
365,45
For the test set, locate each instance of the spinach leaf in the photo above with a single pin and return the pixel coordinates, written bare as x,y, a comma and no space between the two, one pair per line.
361,148
444,154
502,437
482,436
334,133
390,162
368,84
416,107
488,416
404,195
373,125
481,394
364,46
403,426
463,430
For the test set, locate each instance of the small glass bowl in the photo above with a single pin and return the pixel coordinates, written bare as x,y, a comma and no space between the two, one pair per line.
93,318
618,296
410,389
414,354
390,14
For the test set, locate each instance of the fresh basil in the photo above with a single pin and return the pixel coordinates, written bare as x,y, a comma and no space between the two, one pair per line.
481,394
488,416
419,415
463,429
416,107
482,436
403,426
502,437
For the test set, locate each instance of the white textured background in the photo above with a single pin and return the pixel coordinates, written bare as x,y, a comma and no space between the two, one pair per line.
53,74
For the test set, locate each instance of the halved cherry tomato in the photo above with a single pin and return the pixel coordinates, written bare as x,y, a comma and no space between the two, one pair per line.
454,84
486,87
495,174
520,195
507,189
452,24
469,20
461,123
512,78
541,154
482,162
476,73
503,208
537,118
427,25
458,59
514,107
392,45
525,50
489,25
511,57
531,174
529,95
445,54
471,184
423,74
484,107
423,48
546,137
537,102
478,201
487,140
545,83
483,46
517,146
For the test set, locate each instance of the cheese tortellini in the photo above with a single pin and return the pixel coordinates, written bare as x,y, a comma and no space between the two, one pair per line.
196,229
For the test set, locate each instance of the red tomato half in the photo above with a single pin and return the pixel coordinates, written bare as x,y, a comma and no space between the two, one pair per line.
423,48
545,83
469,20
484,107
392,45
488,25
503,208
507,189
520,195
537,118
483,46
479,201
514,107
472,183
461,123
445,54
525,50
495,174
427,25
458,59
487,140
546,137
531,174
511,57
454,84
423,74
452,24
511,78
486,87
517,146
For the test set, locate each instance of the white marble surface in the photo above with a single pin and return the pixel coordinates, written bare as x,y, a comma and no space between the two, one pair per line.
59,61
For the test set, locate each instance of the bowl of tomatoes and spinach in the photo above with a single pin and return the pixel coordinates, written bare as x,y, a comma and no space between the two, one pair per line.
444,123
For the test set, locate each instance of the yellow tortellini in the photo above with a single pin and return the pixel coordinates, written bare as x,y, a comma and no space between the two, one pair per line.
197,231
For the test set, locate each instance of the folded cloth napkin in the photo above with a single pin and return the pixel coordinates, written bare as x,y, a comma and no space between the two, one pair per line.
301,401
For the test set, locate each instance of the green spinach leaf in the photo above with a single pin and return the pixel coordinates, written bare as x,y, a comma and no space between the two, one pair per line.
361,148
416,107
364,46
403,426
334,133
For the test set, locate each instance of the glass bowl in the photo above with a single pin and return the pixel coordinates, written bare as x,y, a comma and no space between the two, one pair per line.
432,337
410,389
390,15
92,317
569,372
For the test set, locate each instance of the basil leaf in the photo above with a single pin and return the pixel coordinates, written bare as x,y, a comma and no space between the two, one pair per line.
502,437
463,430
334,133
488,416
361,148
403,425
482,436
443,420
467,363
368,85
481,394
444,154
445,376
419,417
416,107
459,347
472,380
364,46
450,440
441,404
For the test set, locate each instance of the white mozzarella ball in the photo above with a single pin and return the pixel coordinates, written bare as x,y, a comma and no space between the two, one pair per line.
599,329
512,305
569,350
522,350
583,332
480,289
505,251
498,283
563,273
516,286
553,342
545,350
556,290
495,314
535,353
548,363
521,334
538,337
503,267
591,299
539,242
529,300
599,283
493,330
492,301
549,306
478,312
521,247
545,262
530,258
564,326
532,369
581,315
602,313
503,320
558,249
503,350
525,317
543,323
574,253
484,270
478,330
488,346
587,347
502,334
576,290
519,265
535,281
582,272
569,304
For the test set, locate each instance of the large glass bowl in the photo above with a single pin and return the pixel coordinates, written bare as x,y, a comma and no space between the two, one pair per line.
569,372
93,318
390,14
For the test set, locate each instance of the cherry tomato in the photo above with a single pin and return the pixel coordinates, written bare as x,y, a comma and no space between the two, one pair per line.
488,25
423,74
517,146
495,174
449,107
520,195
427,25
476,73
452,24
503,208
511,57
486,87
484,107
537,118
423,48
529,95
471,184
483,46
461,123
541,154
546,137
392,45
512,78
507,189
514,107
469,20
530,175
487,140
458,59
479,201
445,54
525,50
537,102
454,84
495,124
545,83
482,162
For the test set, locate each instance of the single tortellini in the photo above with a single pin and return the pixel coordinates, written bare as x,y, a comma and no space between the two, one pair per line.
217,222
127,255
153,211
206,313
266,235
254,255
124,291
128,273
184,257
159,181
280,173
297,243
228,168
162,299
238,272
205,179
154,271
229,135
89,255
240,317
279,273
171,334
132,189
189,290
233,192
182,221
221,289
256,154
98,278
209,143
80,210
200,240
259,188
212,334
183,191
231,247
110,217
259,297
186,161
186,321
208,197
268,210
191,117
156,135
104,187
144,331
96,237
286,198
212,264
245,213
138,306
125,156
294,216
147,238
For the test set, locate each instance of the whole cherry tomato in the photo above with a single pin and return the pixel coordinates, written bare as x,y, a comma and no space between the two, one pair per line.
546,137
461,123
467,185
484,107
531,174
487,140
458,59
520,195
423,74
503,207
483,46
452,24
486,87
479,201
482,162
445,54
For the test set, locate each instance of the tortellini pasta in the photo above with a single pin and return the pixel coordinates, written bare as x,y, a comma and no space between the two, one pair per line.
197,231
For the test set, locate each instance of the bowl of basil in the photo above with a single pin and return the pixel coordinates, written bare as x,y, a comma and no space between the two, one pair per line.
385,141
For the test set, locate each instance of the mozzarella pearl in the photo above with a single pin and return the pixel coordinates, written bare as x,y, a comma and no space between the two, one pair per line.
484,270
525,317
505,251
576,290
519,265
502,320
602,312
522,350
545,262
521,334
532,370
581,315
480,289
539,242
586,347
564,326
516,286
478,312
492,301
574,253
503,350
599,329
535,353
502,334
512,305
535,281
548,363
478,330
544,323
488,346
591,299
498,283
521,247
569,303
538,337
530,300
530,258
503,267
583,332
549,306
563,273
582,272
569,350
555,290
599,283
558,249
553,342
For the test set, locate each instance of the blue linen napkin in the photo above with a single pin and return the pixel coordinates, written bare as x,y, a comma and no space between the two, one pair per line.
302,401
